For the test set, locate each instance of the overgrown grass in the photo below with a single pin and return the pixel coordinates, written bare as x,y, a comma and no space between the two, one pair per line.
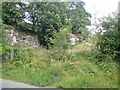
37,67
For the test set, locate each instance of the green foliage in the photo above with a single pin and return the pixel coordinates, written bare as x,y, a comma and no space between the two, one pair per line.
43,68
108,45
60,55
108,42
110,22
78,17
22,56
82,66
61,39
45,18
61,42
4,46
11,14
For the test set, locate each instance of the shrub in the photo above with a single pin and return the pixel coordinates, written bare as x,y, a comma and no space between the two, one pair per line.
108,42
61,43
108,45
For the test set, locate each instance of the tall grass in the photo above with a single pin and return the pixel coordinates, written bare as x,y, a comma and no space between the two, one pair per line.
73,68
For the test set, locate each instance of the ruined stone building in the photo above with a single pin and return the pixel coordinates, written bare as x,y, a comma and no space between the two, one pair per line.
17,37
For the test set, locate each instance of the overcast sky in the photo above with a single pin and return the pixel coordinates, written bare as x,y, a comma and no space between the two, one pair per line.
100,8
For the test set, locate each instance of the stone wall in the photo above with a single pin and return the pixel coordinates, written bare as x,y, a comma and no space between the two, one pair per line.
21,38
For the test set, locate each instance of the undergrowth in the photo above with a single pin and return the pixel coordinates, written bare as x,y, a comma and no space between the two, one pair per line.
39,71
43,67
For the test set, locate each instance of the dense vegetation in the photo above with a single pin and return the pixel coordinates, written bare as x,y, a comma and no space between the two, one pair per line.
109,40
73,68
93,63
46,18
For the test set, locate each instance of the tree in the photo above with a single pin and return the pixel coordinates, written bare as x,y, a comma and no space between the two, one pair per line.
44,18
12,13
78,17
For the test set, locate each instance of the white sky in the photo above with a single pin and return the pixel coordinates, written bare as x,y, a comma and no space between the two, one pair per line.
100,8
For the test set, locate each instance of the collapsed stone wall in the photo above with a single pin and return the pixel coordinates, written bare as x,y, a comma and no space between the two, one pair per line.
16,37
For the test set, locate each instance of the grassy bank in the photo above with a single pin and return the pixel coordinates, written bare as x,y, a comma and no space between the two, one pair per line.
37,67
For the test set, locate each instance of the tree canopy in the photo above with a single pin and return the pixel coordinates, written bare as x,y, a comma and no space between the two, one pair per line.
47,17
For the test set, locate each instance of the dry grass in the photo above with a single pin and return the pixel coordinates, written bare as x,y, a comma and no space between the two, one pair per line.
83,46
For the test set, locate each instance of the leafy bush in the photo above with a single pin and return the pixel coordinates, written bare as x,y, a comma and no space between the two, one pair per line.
61,39
108,45
61,42
108,42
